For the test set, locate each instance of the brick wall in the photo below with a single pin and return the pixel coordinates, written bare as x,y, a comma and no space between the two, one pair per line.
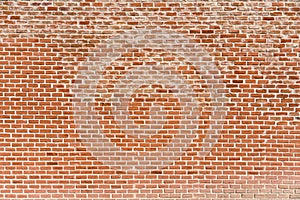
149,99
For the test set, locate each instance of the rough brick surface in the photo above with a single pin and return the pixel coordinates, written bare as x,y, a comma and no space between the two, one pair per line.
252,46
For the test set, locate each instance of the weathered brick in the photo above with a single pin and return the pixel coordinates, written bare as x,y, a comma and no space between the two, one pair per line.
251,46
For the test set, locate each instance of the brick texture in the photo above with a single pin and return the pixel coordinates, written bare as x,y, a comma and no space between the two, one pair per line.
252,46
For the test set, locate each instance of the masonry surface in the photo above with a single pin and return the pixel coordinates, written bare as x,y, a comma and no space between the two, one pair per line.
248,80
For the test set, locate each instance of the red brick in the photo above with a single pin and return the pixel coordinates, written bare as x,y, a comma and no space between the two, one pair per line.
255,48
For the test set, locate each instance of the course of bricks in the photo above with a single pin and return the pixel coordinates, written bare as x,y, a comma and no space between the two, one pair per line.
250,51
